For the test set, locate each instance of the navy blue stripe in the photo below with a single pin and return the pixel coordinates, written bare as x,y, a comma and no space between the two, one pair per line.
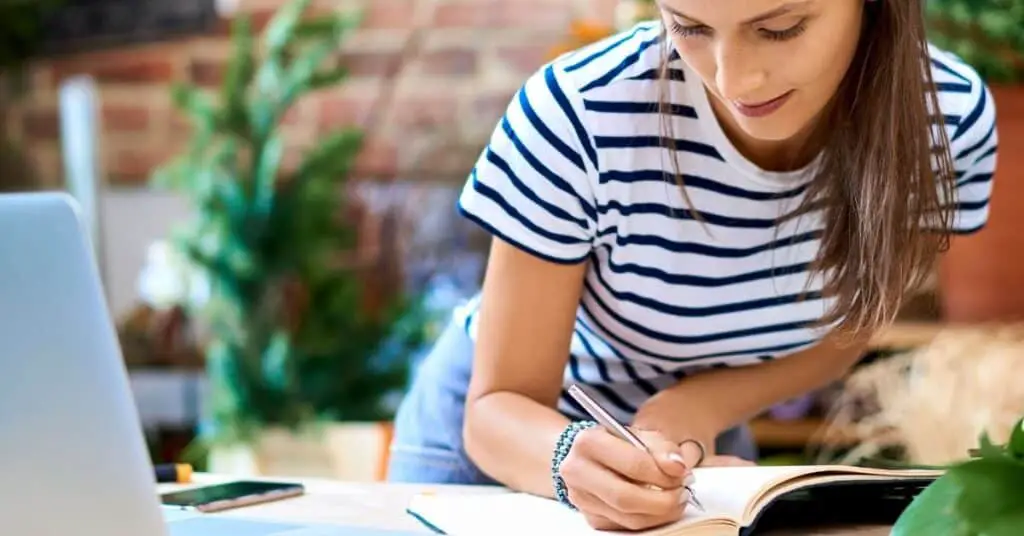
970,205
626,62
498,233
974,178
670,338
985,154
647,387
943,67
953,87
579,411
697,280
675,75
554,210
701,312
570,114
634,209
634,107
965,125
545,132
586,61
686,359
694,181
706,249
981,143
651,142
541,169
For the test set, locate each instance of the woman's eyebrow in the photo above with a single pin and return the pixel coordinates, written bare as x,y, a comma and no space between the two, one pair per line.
781,10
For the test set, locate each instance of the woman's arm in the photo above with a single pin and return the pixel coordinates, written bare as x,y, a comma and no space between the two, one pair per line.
526,320
706,404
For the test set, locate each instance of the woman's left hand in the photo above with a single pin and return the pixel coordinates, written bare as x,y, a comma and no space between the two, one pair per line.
662,413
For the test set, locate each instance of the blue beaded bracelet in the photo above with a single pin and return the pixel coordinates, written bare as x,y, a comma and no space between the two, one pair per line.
561,451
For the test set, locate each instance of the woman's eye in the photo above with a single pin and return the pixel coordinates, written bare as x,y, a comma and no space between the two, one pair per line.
785,34
689,30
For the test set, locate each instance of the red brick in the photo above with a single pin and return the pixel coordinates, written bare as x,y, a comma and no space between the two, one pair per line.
530,14
206,72
125,117
449,62
449,162
41,124
524,59
489,108
258,21
425,110
390,15
378,159
134,166
369,63
151,66
339,109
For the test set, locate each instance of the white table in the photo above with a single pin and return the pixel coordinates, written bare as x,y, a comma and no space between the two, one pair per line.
379,505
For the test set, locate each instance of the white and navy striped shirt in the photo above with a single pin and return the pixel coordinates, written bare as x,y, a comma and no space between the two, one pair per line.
577,171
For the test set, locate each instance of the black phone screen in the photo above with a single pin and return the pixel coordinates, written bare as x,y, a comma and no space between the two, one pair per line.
224,492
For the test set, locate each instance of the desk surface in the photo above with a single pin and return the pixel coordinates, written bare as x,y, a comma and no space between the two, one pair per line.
379,505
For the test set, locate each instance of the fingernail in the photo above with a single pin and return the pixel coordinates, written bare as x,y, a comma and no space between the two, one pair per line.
684,497
672,456
689,480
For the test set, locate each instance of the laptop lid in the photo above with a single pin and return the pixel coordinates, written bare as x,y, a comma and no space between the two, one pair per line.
72,451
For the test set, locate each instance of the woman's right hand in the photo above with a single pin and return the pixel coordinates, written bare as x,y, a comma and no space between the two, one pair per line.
618,486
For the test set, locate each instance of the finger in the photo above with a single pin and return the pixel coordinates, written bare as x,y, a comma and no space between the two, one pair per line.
628,461
693,452
667,454
624,497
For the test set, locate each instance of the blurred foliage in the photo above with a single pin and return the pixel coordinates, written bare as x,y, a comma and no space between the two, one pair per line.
291,340
987,34
982,496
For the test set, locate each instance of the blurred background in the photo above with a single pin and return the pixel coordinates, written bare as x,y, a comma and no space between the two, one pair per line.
279,244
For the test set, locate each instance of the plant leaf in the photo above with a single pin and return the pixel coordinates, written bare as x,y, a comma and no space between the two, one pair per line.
282,26
1016,445
993,492
933,512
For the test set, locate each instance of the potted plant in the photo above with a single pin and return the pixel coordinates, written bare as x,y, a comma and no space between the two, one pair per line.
978,276
983,495
302,372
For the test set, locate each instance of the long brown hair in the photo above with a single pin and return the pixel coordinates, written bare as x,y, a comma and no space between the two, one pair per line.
885,208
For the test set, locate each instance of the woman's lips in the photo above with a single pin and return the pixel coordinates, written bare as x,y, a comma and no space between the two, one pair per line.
762,109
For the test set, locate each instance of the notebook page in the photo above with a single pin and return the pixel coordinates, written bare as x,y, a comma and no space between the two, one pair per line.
730,490
518,514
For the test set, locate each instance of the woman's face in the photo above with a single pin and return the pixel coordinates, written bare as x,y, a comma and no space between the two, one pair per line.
770,65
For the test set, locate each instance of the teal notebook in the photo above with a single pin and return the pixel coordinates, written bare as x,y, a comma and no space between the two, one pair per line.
738,501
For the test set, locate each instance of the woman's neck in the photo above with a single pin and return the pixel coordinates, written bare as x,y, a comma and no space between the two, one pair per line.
770,155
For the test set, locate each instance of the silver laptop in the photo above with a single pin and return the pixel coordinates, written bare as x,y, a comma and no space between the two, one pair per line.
72,452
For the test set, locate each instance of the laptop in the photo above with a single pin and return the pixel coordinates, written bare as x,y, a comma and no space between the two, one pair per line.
72,450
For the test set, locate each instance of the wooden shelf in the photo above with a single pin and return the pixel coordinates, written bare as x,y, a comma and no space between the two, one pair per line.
801,433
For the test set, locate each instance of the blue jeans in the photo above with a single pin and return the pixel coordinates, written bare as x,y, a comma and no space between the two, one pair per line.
427,445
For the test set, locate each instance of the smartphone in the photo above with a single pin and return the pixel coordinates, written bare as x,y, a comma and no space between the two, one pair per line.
218,497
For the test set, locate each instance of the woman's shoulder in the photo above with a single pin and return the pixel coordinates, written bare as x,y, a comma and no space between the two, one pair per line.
964,99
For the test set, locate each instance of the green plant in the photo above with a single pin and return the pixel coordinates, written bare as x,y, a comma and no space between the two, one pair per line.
982,496
290,339
988,34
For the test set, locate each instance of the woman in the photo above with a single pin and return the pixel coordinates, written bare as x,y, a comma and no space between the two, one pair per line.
695,220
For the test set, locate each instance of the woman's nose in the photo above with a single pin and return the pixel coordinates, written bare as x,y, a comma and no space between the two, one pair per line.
739,74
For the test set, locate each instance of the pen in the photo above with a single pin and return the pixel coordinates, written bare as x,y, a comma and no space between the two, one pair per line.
609,423
176,473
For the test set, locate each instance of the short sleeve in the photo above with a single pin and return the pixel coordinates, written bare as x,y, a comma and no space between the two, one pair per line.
532,185
973,145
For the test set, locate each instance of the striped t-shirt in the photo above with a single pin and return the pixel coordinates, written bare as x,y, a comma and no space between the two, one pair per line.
577,170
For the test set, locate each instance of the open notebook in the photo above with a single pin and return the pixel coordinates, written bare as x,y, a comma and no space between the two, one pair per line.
737,500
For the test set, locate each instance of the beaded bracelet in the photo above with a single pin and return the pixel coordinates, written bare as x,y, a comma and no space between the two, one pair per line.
561,451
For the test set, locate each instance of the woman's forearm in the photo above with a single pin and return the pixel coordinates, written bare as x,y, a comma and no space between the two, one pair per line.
512,438
716,400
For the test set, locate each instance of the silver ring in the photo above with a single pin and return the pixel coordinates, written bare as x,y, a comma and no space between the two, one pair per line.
699,446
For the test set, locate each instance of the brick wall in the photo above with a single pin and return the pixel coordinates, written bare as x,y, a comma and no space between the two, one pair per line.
439,72
467,57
